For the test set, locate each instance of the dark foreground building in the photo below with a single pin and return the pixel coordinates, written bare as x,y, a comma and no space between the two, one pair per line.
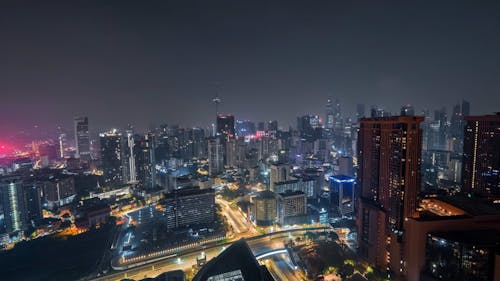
236,263
481,159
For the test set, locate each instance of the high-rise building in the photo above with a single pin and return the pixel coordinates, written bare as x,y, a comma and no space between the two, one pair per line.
58,189
481,155
407,110
329,117
360,110
131,171
13,202
144,157
342,194
389,150
82,138
189,206
462,255
225,126
245,128
376,111
265,212
291,204
215,156
346,166
278,173
62,145
111,156
457,119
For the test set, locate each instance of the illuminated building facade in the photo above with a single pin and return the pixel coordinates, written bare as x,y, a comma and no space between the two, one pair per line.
144,160
481,157
14,208
389,150
461,256
342,194
215,156
291,204
111,156
189,206
82,138
278,173
225,126
265,212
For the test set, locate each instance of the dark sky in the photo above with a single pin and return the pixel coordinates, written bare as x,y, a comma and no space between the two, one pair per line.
148,62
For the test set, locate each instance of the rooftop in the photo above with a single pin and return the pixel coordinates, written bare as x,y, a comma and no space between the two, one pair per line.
238,260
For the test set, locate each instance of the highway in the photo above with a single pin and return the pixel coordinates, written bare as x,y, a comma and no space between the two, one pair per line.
186,262
241,226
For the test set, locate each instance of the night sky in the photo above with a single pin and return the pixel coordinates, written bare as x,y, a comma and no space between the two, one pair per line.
147,62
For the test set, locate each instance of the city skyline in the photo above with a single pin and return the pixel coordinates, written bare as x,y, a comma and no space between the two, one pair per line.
258,57
262,141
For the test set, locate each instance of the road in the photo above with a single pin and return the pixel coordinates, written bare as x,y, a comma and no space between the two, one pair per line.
241,226
281,269
186,262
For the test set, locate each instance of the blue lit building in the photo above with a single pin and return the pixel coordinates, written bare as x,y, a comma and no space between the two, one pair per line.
342,194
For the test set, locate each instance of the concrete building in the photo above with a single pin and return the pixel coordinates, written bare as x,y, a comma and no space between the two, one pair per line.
82,138
189,206
389,150
342,194
265,212
291,204
215,156
278,173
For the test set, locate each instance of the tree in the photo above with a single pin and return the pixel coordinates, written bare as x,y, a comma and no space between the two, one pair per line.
346,270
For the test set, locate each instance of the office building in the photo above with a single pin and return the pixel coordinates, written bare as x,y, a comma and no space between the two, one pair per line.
13,203
481,155
189,206
82,138
111,156
360,110
346,166
215,156
292,207
407,110
225,126
342,190
58,189
278,173
265,212
329,116
389,150
144,158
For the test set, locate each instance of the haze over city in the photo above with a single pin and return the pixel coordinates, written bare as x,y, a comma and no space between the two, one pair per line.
163,61
249,140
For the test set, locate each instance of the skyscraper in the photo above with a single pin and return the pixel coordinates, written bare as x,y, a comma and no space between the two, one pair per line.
144,157
278,173
360,110
215,156
131,174
82,138
407,110
481,157
389,151
225,126
13,202
111,156
329,117
342,194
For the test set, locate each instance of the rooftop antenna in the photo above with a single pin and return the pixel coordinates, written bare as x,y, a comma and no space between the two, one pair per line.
216,100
